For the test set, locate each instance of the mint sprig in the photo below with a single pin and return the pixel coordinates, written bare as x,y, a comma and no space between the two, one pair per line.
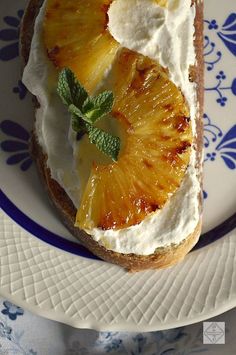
97,107
86,110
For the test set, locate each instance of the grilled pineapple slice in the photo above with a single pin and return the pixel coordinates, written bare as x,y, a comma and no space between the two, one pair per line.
153,162
76,36
149,107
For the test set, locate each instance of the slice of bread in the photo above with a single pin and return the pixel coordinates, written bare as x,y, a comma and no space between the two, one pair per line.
163,257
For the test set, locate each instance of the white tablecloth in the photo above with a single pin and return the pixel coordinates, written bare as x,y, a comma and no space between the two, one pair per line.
24,333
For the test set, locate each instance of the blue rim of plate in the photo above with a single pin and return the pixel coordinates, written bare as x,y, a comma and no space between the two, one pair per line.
40,232
72,247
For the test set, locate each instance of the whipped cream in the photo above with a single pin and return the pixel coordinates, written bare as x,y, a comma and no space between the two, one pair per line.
146,32
52,118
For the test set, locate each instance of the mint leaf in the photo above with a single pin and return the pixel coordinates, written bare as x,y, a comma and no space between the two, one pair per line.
105,142
76,112
105,101
78,125
88,105
97,107
77,119
86,110
70,90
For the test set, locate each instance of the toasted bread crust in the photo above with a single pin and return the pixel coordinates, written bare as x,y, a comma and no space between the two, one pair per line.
163,257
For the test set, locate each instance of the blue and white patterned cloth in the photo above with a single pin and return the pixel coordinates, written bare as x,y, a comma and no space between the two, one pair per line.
26,334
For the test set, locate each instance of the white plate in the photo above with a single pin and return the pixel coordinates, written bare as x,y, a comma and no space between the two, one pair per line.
52,275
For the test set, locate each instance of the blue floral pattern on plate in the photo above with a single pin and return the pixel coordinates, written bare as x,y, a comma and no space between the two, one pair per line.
219,89
217,141
20,147
211,54
20,89
227,33
11,34
226,148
